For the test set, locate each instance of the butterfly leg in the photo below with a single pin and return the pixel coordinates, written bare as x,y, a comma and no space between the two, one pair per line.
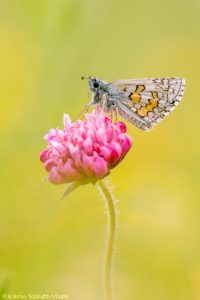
83,112
115,111
114,114
103,104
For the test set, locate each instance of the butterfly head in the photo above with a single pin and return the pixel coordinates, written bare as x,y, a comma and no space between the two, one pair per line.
97,87
94,84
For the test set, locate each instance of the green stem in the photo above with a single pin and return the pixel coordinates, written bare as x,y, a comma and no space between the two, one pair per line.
111,232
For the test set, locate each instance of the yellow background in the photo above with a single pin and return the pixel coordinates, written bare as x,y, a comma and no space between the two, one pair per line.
49,246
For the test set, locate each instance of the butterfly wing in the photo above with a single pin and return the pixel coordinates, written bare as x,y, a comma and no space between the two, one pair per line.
145,102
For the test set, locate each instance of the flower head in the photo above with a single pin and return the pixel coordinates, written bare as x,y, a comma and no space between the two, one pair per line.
85,150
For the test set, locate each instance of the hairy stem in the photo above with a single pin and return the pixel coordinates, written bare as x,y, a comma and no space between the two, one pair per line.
111,232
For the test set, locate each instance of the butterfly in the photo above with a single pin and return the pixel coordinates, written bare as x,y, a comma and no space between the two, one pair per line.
142,102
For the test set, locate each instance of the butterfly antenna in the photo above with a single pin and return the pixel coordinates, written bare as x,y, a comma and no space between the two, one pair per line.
84,77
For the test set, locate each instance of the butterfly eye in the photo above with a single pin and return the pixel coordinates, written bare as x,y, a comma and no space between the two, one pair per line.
95,84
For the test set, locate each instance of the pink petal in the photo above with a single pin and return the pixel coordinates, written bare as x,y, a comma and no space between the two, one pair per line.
55,177
73,150
101,136
87,164
67,121
59,147
107,121
69,172
122,126
100,167
105,152
49,164
44,155
87,146
49,136
126,144
116,152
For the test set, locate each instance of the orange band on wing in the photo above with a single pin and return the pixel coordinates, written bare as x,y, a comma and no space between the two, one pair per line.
149,107
136,97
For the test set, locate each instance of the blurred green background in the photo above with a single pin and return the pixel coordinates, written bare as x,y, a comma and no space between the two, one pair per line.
49,246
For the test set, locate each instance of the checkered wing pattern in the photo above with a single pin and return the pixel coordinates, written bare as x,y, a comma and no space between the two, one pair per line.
146,102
